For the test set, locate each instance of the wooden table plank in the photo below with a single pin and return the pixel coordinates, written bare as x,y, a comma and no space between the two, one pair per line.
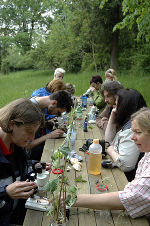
139,222
48,150
33,218
86,217
79,128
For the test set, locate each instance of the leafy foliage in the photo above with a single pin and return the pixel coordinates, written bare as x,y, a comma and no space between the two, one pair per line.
20,19
135,12
52,185
76,35
71,198
80,179
59,186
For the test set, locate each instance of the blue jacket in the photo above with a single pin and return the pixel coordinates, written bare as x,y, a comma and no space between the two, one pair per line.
7,176
40,93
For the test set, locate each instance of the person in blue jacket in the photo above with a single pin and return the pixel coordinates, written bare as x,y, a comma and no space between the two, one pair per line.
19,120
52,87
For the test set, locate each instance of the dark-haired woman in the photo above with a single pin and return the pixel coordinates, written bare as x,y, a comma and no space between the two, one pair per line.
123,151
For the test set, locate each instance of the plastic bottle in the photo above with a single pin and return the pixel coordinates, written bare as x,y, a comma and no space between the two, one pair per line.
85,124
84,101
79,112
92,117
73,138
95,158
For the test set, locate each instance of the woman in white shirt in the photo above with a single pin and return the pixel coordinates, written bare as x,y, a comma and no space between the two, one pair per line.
122,150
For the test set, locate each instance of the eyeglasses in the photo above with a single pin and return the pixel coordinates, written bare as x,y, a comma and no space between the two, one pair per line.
18,123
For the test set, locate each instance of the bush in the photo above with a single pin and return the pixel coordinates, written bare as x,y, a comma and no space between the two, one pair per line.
141,59
86,61
5,67
16,61
72,62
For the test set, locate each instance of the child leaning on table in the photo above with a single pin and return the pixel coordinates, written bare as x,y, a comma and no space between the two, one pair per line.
135,198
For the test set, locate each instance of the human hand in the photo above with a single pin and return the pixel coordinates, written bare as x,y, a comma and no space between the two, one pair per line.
48,166
21,189
109,149
114,108
113,113
92,89
49,123
55,134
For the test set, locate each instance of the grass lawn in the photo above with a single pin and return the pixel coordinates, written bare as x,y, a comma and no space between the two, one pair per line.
21,84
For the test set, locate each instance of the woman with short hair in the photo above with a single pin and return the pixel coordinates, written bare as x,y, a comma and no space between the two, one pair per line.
59,73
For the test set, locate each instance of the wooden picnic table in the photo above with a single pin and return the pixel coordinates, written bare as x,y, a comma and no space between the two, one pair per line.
114,178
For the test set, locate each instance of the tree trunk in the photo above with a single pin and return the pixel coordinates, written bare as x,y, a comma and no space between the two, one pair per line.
93,53
113,63
115,37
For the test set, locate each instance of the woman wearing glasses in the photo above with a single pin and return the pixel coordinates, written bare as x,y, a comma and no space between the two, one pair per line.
19,121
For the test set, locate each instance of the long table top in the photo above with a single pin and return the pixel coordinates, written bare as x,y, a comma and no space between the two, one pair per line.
113,178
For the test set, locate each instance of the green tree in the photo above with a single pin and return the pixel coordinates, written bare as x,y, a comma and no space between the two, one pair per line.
135,12
22,23
21,19
81,35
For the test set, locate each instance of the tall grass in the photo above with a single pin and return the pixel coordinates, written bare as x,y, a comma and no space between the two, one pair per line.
22,84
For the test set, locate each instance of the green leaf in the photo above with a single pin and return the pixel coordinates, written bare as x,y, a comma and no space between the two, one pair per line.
55,164
52,185
70,200
72,189
65,150
57,154
51,211
80,179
